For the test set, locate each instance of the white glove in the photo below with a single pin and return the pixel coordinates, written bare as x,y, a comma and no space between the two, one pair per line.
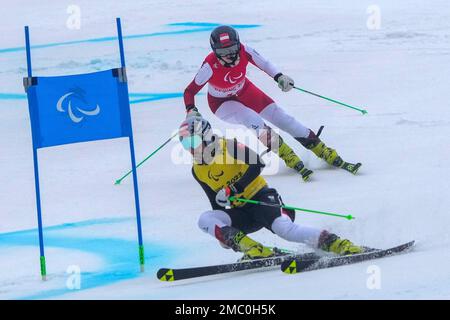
285,83
222,197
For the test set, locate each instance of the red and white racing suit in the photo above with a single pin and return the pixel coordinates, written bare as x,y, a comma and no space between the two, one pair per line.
235,99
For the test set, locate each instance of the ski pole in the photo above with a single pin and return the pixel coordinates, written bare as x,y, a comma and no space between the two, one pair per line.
261,203
118,181
363,111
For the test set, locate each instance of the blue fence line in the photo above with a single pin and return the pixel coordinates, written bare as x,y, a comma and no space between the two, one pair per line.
135,98
118,255
139,97
12,96
198,27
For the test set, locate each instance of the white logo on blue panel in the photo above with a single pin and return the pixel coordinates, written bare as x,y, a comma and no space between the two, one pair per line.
70,111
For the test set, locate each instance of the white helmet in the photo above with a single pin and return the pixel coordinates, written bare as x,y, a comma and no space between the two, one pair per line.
193,131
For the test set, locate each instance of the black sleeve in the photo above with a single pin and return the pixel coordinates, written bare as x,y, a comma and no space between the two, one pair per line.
209,192
250,157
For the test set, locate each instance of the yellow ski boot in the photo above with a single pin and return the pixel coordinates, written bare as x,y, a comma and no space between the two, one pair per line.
240,242
293,161
275,143
330,155
332,243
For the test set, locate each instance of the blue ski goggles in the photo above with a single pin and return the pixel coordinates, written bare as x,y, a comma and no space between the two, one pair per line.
191,142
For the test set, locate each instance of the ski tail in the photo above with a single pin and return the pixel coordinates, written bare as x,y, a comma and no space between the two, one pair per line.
165,274
350,167
168,274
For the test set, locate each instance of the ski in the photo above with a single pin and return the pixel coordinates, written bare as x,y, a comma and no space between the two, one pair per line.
350,167
168,274
293,265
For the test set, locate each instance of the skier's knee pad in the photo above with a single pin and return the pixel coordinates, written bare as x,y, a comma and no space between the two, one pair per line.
270,138
310,141
289,213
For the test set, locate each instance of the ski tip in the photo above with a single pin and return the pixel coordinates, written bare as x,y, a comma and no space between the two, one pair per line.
289,267
408,245
411,243
165,275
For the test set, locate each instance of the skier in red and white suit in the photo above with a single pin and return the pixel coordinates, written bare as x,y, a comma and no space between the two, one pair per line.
235,99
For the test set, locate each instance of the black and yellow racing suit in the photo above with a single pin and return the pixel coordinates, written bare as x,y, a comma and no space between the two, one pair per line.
236,164
232,164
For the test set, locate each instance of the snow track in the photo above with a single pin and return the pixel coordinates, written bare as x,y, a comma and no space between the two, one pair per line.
399,73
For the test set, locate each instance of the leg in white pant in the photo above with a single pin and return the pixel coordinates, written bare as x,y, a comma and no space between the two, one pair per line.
211,219
285,228
282,226
236,113
284,121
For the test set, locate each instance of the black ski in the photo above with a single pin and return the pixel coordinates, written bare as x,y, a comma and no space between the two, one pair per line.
166,274
292,265
301,262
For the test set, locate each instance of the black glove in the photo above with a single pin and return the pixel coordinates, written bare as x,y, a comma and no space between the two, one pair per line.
192,111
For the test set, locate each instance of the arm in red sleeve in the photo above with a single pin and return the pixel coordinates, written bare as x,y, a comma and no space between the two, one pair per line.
189,94
201,78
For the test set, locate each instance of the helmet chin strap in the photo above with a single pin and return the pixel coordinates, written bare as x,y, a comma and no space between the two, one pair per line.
205,155
229,64
209,139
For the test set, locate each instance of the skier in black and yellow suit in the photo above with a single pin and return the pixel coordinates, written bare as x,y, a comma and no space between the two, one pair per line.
227,168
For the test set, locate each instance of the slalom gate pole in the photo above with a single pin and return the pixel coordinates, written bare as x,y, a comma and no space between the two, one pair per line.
132,157
363,111
261,203
118,181
36,172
